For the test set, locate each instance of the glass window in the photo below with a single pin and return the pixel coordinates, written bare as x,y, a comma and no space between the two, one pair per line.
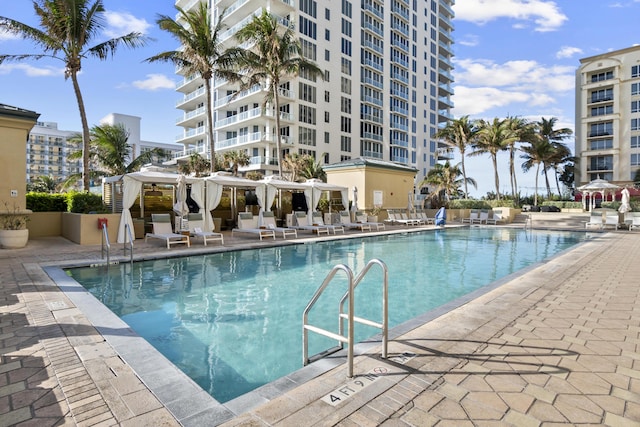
635,142
635,124
598,77
601,144
602,95
635,160
601,129
635,71
599,163
635,88
635,106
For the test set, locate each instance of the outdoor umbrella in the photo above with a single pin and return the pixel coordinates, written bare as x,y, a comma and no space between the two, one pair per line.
354,205
180,207
624,206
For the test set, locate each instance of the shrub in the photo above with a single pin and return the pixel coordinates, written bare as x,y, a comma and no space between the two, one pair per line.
469,204
563,204
86,203
46,202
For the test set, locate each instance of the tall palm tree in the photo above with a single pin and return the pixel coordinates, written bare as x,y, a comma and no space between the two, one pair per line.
492,137
446,178
523,132
200,54
67,28
546,130
275,56
110,152
312,169
562,156
537,153
459,133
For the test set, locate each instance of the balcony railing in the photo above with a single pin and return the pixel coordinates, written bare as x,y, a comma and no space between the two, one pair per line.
600,133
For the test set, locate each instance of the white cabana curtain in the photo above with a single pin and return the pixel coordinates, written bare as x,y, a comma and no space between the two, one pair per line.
270,196
261,194
317,193
130,191
308,196
197,194
345,198
214,195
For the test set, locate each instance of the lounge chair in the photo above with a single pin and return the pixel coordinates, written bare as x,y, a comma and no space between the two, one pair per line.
162,230
269,221
473,216
345,220
396,218
410,221
496,217
302,223
363,218
316,217
423,216
634,220
417,217
247,223
611,220
483,216
595,220
196,229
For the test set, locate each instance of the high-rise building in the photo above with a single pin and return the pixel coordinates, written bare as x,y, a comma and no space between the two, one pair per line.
608,117
47,153
386,88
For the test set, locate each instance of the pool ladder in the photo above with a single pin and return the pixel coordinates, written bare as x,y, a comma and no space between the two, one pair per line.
348,316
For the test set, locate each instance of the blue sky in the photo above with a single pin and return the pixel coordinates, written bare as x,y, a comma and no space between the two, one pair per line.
512,57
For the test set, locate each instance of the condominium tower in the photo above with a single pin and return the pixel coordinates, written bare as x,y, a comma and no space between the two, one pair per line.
608,116
386,87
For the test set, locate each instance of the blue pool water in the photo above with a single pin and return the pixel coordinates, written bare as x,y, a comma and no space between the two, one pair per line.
232,321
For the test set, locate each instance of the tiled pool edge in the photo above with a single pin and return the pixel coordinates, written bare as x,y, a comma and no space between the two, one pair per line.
191,405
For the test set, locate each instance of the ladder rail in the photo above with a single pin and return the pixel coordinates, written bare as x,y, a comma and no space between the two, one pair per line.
348,316
106,245
384,326
127,231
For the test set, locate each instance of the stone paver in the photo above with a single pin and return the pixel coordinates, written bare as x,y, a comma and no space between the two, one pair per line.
557,345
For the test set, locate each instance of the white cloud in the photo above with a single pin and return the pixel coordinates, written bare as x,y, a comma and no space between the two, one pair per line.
155,82
545,14
31,71
568,52
121,23
468,40
477,100
5,35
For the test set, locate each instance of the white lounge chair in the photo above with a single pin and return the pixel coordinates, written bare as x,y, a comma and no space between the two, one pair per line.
196,229
247,223
162,230
595,220
268,220
483,216
410,221
345,220
474,215
611,220
302,223
423,215
634,220
363,218
496,217
396,218
316,218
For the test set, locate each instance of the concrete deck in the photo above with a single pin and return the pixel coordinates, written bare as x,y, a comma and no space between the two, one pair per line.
555,345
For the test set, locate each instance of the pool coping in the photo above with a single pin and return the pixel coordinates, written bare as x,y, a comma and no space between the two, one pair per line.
186,400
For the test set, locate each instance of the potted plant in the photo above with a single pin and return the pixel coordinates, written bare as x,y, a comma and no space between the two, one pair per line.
373,215
13,227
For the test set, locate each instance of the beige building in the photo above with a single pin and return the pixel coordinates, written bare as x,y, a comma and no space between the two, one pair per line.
386,87
608,117
15,124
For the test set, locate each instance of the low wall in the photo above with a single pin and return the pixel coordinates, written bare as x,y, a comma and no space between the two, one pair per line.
83,228
45,224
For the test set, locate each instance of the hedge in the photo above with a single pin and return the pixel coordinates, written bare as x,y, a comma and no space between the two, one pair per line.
75,202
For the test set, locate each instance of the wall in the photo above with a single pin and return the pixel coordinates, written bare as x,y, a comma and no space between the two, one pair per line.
45,224
83,228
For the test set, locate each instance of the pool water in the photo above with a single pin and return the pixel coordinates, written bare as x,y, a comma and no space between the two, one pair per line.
232,321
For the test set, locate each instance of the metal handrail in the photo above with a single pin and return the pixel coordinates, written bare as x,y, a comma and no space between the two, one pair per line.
127,233
349,316
106,246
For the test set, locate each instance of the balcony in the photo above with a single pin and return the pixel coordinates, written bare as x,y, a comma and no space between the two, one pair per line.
194,115
377,30
595,99
599,133
190,98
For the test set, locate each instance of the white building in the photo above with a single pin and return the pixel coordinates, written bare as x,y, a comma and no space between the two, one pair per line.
387,86
608,116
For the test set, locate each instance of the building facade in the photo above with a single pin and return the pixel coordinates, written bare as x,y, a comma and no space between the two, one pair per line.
608,117
386,88
48,148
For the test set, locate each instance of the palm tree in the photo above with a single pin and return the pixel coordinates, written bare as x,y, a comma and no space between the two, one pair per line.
493,137
524,132
461,134
293,164
562,156
111,153
276,56
200,54
234,159
197,165
67,27
546,131
44,184
537,153
312,169
446,178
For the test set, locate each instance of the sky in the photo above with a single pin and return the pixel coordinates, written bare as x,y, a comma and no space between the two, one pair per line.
512,58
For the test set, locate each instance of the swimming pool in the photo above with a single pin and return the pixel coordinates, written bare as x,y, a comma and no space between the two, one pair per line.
232,320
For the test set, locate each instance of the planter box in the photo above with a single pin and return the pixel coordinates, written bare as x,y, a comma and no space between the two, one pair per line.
83,228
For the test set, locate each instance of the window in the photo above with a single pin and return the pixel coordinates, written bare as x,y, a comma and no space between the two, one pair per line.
635,124
346,66
601,129
602,95
307,92
600,163
326,117
327,14
346,47
635,88
346,8
327,56
345,85
345,124
346,27
598,77
345,105
635,106
635,142
635,71
601,111
305,74
327,35
308,27
345,143
309,7
306,136
308,49
601,144
327,138
307,114
635,159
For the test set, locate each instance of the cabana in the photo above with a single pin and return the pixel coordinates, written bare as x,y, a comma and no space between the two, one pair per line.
132,188
597,186
214,186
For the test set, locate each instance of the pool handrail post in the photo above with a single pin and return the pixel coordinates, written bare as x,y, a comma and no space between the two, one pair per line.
127,234
106,246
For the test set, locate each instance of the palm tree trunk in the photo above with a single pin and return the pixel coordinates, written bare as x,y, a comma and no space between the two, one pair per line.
557,182
464,176
276,103
514,179
535,195
212,152
494,159
546,180
86,138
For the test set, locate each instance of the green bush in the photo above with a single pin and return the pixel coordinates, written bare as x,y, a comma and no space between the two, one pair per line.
470,204
46,202
563,204
86,203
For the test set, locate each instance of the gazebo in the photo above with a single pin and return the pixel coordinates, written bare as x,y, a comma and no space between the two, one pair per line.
597,186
